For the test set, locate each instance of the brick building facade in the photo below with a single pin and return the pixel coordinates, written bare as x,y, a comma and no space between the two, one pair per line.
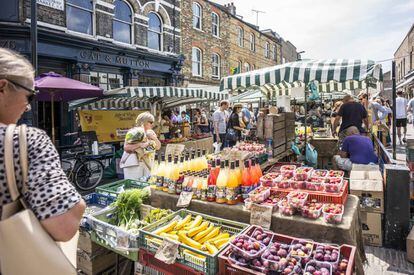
404,63
216,43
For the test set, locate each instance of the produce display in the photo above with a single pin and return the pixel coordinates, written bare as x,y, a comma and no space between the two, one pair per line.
297,199
285,255
332,213
312,210
255,148
286,208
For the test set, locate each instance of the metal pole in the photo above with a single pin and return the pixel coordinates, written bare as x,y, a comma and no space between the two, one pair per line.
33,39
394,111
306,115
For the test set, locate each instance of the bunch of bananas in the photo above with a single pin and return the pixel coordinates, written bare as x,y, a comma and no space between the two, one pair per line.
197,233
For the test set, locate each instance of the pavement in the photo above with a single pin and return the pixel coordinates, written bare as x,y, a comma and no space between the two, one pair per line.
389,261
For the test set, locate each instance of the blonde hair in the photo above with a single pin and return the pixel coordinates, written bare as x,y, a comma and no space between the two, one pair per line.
15,67
143,118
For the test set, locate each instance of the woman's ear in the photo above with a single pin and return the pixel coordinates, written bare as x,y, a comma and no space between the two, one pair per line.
3,84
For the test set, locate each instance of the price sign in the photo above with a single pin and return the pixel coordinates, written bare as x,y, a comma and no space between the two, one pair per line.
261,215
167,252
185,199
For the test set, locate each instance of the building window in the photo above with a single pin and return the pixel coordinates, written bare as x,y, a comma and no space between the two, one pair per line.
274,53
267,50
252,42
239,67
79,15
247,67
154,31
197,62
197,16
253,67
10,12
122,22
215,24
240,36
106,81
215,63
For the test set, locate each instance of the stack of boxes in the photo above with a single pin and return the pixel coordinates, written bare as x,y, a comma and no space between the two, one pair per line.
367,183
274,129
290,128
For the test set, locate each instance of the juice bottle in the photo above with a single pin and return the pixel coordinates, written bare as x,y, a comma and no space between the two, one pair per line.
204,187
174,176
192,162
161,173
167,177
253,172
221,184
198,166
259,169
246,181
186,165
154,172
239,178
232,185
212,178
204,162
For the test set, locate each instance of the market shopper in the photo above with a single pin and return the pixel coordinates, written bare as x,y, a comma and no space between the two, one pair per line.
401,115
47,192
201,122
166,125
184,117
235,126
220,118
352,114
138,157
356,149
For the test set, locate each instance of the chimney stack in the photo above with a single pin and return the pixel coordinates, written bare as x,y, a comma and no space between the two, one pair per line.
231,8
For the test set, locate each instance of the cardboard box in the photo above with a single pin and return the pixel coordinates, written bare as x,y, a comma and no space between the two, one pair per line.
371,228
410,246
367,183
92,265
85,244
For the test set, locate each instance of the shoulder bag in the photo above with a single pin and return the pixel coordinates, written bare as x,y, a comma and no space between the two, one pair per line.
231,134
25,246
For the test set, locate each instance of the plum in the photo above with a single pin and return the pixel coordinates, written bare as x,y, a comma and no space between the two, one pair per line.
287,270
310,269
327,258
282,253
266,241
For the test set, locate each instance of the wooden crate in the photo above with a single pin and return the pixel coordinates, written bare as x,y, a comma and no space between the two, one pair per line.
269,132
260,127
290,116
92,265
326,147
87,245
325,163
279,150
279,138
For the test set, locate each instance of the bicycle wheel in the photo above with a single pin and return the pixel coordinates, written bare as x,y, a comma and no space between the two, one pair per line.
88,175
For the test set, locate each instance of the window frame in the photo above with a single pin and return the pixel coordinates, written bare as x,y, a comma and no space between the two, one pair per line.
267,50
252,42
93,17
161,34
215,25
240,36
247,67
199,62
200,17
274,52
218,65
131,24
239,67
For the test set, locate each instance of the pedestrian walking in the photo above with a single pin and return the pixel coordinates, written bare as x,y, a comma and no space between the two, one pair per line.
401,116
220,119
52,203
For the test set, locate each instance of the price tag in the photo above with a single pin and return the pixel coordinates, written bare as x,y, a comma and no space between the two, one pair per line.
122,239
167,252
185,199
261,215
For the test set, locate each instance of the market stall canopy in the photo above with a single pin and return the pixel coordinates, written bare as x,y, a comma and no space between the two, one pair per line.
53,86
131,97
330,75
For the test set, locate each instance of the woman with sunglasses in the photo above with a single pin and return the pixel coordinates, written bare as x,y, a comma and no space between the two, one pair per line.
135,167
47,192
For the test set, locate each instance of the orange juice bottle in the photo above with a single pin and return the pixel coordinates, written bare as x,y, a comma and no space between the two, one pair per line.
246,181
167,177
232,186
161,173
221,184
174,176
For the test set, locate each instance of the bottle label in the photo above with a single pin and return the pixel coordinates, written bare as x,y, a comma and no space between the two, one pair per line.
211,191
231,194
178,187
166,183
203,194
160,182
198,193
245,190
220,192
171,187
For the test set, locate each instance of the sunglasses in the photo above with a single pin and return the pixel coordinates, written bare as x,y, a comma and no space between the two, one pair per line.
32,92
152,122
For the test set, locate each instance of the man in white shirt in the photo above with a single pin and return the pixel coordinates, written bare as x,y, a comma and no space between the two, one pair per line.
401,115
220,119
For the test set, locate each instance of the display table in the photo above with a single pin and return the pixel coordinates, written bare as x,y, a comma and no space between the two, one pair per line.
202,144
348,232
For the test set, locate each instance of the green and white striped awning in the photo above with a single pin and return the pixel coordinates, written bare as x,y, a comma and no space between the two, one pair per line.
141,97
334,74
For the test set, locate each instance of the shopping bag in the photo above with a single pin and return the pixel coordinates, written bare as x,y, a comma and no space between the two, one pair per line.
217,147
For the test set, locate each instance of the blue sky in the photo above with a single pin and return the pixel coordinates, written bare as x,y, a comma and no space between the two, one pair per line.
325,29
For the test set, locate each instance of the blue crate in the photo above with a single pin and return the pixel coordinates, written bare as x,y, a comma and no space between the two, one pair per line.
99,200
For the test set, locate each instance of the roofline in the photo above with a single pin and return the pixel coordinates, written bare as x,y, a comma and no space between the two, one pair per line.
224,9
410,30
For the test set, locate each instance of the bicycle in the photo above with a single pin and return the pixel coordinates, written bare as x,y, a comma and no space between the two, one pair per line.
84,171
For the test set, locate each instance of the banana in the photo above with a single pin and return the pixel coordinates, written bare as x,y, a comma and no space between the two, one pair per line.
197,221
203,233
165,228
220,242
220,236
183,222
190,242
210,235
170,236
211,248
194,254
196,230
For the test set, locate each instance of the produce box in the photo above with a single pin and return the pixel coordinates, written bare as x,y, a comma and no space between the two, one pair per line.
371,228
228,265
114,188
86,244
93,265
96,201
188,255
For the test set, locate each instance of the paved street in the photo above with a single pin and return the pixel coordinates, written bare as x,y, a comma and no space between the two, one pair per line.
387,261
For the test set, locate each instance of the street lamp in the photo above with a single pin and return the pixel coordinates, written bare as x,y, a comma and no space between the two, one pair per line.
298,55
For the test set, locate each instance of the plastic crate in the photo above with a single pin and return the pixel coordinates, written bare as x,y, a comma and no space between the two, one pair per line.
227,267
98,200
133,256
320,196
112,189
209,264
